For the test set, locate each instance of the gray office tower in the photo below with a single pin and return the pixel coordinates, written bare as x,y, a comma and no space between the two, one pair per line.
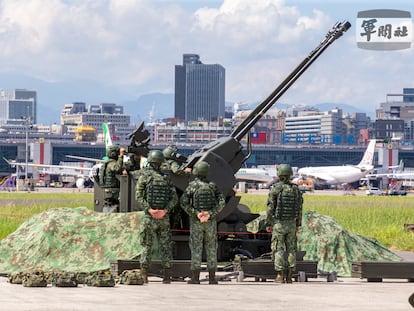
16,105
199,90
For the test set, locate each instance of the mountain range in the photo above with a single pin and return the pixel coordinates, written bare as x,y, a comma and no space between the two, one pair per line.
52,96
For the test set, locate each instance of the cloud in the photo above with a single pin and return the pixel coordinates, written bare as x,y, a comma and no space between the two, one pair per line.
133,45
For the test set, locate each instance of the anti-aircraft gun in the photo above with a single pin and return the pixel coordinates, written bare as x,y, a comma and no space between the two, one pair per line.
226,156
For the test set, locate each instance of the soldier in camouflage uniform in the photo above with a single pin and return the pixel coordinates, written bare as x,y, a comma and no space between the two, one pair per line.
171,165
284,217
171,154
202,201
157,196
107,178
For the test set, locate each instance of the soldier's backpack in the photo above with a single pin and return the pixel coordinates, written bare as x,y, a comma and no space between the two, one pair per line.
131,277
204,198
16,277
158,191
34,279
100,279
64,279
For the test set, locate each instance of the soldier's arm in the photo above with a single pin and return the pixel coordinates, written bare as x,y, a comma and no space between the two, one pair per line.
300,206
173,199
271,200
221,202
140,191
186,203
118,165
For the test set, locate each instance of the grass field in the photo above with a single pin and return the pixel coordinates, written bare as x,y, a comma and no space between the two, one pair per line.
379,217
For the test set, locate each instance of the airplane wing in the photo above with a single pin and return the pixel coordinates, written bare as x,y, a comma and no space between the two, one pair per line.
252,177
253,174
86,159
55,169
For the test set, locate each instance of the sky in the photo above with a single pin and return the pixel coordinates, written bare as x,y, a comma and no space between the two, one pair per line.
117,50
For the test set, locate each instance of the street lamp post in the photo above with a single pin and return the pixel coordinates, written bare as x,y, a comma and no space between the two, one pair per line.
27,121
26,151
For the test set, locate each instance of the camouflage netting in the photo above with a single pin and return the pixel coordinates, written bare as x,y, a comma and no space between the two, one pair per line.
77,240
325,241
333,247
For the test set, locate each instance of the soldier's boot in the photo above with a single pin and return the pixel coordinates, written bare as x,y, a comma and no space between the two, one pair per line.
288,277
279,277
212,276
144,275
195,277
167,276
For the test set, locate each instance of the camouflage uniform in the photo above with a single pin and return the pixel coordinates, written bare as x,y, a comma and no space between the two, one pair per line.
171,165
108,180
166,199
284,214
202,231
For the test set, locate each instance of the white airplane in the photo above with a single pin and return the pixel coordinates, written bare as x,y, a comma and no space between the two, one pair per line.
334,175
254,174
83,174
397,172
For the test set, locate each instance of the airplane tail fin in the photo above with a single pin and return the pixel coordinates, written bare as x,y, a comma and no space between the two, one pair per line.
369,154
401,166
107,135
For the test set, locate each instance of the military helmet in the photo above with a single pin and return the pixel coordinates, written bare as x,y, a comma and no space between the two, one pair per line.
284,170
169,152
201,169
155,156
112,152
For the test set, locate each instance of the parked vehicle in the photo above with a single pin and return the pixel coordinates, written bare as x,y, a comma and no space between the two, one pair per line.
374,191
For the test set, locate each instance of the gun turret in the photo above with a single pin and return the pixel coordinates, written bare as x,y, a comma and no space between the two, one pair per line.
139,141
226,155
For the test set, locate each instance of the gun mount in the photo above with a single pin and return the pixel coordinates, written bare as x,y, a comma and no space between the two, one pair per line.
226,156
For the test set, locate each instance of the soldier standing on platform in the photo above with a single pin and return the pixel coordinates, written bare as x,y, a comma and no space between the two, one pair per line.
157,196
202,201
108,180
284,217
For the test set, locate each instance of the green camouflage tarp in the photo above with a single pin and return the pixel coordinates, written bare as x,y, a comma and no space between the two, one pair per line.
333,247
77,240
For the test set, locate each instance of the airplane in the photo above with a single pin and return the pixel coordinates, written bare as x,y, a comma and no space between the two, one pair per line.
335,175
397,172
254,174
83,174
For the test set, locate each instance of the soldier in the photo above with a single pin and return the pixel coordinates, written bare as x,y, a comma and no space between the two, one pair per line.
107,178
284,217
157,196
202,201
171,156
171,164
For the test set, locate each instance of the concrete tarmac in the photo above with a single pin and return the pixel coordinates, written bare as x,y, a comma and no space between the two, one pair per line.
316,294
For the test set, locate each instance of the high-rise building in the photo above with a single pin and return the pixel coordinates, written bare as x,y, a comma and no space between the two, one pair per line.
17,105
199,90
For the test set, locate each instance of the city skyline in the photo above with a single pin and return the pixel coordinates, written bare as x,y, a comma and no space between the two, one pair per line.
116,51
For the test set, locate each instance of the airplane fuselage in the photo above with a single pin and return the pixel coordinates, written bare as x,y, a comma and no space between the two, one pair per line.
333,175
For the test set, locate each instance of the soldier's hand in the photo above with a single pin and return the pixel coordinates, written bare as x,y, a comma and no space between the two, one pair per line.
121,151
162,213
203,216
154,213
269,228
